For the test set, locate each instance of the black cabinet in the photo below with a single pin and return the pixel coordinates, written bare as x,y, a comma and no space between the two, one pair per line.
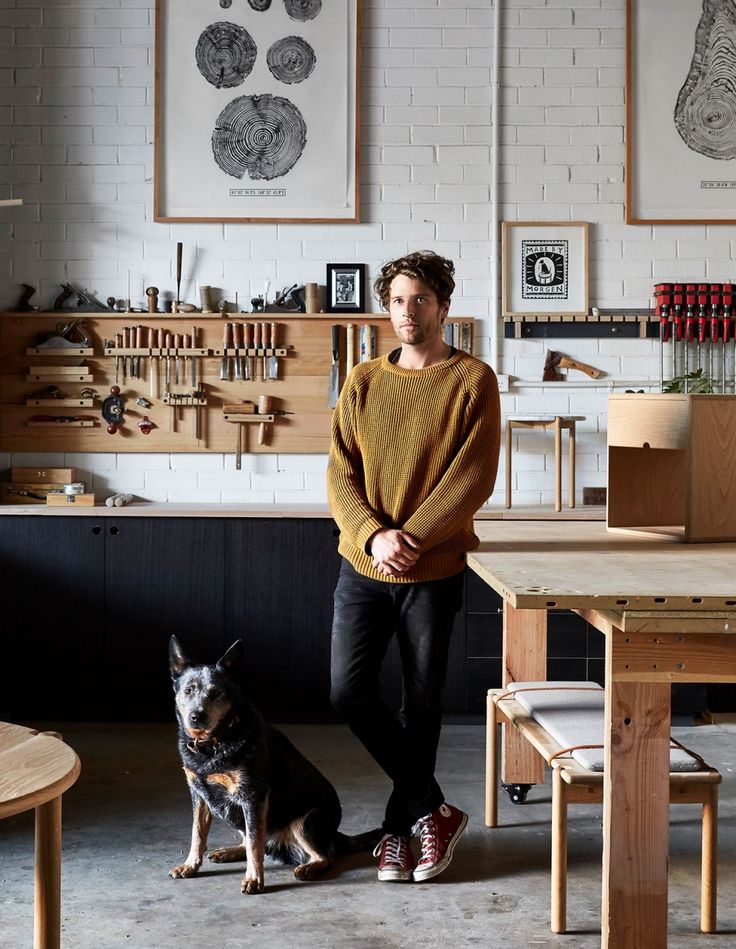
279,579
52,573
162,576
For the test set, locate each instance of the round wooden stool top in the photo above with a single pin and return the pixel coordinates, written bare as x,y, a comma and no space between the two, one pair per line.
35,767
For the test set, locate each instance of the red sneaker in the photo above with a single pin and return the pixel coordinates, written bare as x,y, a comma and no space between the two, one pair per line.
438,834
395,859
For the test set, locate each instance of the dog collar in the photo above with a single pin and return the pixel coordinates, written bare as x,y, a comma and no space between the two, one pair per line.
200,746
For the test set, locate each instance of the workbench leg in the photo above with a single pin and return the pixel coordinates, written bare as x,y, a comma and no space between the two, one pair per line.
47,899
524,660
491,763
709,864
635,813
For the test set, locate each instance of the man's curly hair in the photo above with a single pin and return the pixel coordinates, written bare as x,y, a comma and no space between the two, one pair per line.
435,271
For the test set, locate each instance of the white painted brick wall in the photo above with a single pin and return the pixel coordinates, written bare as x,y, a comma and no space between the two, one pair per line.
76,142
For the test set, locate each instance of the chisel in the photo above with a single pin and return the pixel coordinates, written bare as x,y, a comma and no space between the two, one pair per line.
177,346
186,342
273,366
227,342
179,248
168,344
248,345
333,389
238,344
265,343
152,380
194,363
256,346
349,347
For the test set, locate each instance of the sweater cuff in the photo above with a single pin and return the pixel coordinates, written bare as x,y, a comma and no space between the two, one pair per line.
367,531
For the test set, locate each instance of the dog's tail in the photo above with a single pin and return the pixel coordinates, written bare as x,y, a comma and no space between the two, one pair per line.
345,844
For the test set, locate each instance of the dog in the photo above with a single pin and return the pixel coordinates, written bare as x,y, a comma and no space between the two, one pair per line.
249,774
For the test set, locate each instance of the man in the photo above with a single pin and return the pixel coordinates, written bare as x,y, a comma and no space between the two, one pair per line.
414,453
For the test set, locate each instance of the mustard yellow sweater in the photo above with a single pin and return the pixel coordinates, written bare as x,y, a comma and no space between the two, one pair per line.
415,449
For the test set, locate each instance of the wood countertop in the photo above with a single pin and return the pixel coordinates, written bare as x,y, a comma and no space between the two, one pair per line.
160,509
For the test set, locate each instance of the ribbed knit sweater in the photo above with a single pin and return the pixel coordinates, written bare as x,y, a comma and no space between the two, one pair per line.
415,449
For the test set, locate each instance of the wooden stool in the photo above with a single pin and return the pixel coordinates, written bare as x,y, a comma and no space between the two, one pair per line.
558,422
35,770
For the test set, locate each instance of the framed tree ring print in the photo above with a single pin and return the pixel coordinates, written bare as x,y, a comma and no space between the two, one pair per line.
256,115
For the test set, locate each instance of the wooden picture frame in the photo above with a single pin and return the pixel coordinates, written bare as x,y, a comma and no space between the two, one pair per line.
257,112
544,267
345,289
680,114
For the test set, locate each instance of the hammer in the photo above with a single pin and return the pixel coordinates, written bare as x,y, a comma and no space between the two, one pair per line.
557,360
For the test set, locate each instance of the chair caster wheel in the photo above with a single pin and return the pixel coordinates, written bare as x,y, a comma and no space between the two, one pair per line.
517,792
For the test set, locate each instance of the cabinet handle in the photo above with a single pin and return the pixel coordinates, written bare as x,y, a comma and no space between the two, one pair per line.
97,529
114,530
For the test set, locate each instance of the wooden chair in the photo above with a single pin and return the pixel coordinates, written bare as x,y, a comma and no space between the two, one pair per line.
575,783
35,770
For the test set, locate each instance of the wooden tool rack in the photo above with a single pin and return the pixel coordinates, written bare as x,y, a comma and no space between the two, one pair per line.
304,354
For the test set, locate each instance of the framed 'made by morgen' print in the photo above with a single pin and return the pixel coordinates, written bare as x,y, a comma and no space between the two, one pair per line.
681,112
256,110
544,267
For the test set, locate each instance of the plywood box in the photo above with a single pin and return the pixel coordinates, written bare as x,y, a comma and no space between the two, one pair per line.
55,475
672,465
67,500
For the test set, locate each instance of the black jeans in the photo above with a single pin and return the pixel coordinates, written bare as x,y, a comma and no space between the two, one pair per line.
368,613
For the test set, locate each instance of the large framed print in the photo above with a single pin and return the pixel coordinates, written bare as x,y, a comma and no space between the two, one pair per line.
544,267
681,112
257,110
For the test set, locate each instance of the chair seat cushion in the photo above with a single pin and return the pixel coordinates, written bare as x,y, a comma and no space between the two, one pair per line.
573,713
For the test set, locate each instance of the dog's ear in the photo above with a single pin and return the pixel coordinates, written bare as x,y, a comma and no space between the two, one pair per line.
178,662
231,664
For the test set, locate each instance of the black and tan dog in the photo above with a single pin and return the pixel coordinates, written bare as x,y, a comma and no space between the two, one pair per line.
249,774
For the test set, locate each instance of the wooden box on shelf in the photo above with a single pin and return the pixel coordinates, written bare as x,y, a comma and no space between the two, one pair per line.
672,465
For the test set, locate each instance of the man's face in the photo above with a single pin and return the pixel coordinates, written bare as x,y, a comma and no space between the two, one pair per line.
416,314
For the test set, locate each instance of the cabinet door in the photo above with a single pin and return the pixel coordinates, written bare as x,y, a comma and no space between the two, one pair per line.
162,575
280,577
51,584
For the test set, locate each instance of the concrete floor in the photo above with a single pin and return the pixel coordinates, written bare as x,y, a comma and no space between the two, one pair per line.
127,821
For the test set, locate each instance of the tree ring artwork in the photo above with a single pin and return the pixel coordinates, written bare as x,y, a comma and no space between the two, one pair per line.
256,111
291,59
225,54
261,136
303,9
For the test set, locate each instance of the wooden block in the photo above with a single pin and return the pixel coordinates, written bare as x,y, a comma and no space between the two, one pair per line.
239,408
63,500
57,475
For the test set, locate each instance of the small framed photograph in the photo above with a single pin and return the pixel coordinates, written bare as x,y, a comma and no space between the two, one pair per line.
544,267
345,288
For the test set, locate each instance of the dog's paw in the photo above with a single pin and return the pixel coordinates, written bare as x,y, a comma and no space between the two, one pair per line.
227,854
308,871
183,870
252,885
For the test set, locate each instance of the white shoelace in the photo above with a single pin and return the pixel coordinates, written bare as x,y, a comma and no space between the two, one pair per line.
395,848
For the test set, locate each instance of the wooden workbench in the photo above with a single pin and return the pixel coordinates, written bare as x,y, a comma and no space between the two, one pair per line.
668,611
